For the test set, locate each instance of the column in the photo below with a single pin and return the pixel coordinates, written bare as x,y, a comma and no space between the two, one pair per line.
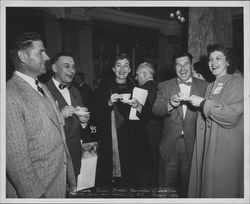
208,26
86,51
53,37
167,46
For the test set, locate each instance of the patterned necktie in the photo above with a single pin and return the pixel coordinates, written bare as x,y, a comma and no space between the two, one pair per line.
39,88
62,86
184,82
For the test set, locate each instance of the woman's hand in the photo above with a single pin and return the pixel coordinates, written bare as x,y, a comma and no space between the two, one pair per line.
113,98
195,100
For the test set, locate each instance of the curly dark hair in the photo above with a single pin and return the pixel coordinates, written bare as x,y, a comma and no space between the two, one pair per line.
60,54
230,58
182,54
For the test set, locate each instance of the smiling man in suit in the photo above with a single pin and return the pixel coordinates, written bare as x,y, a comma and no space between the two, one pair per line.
38,163
69,100
179,123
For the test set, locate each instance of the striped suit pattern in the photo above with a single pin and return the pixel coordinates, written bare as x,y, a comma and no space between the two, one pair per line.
37,158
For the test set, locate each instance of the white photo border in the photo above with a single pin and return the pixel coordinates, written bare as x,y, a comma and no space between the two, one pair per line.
47,3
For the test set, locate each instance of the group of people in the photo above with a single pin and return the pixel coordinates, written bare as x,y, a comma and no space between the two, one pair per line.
189,134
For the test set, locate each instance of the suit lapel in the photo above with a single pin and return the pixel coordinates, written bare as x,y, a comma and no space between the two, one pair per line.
73,98
194,91
176,90
57,113
56,94
35,98
58,119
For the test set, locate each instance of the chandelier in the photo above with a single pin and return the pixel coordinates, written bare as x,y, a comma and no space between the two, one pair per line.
178,16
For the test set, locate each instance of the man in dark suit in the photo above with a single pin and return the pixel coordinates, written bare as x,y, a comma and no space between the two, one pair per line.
37,157
145,78
69,102
179,123
84,89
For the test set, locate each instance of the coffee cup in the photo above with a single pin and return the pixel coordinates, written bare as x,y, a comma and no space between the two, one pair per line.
81,111
125,96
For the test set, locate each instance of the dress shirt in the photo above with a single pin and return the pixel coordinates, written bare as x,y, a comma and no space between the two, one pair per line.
65,92
185,90
66,95
29,80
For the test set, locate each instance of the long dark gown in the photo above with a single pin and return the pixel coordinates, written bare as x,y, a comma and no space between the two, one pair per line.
133,145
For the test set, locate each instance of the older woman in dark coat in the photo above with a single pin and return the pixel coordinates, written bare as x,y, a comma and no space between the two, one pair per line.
123,146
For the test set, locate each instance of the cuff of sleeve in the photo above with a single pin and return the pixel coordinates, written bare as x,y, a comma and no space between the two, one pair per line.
202,103
84,125
170,107
138,114
109,103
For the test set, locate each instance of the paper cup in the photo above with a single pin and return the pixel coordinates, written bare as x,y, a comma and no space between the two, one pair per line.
125,96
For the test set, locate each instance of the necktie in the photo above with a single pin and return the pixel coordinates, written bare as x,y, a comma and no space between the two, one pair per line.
39,88
62,86
184,82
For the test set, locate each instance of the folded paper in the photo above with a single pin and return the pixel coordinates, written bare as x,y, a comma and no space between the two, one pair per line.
141,95
86,178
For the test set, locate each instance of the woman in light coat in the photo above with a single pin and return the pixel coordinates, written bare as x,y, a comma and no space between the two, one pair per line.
217,169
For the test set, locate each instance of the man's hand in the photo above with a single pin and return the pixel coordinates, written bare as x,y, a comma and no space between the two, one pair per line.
135,104
175,101
68,111
83,115
84,119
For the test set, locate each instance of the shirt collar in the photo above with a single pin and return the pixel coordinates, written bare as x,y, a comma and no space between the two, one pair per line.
57,83
147,81
27,78
189,80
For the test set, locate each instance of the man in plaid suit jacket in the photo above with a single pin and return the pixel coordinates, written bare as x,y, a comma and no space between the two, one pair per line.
38,164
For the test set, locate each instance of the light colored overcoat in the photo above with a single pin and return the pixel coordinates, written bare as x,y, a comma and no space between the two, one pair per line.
37,158
217,162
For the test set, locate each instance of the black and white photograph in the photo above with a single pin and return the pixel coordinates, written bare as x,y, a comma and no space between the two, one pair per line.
125,101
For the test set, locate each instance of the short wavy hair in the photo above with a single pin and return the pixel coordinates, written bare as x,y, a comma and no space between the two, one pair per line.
22,42
230,58
181,54
120,57
148,65
60,54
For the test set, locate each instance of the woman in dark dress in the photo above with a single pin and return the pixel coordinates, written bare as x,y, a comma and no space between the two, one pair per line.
123,145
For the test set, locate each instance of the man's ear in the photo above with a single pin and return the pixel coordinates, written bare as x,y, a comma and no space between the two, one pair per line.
22,55
54,68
